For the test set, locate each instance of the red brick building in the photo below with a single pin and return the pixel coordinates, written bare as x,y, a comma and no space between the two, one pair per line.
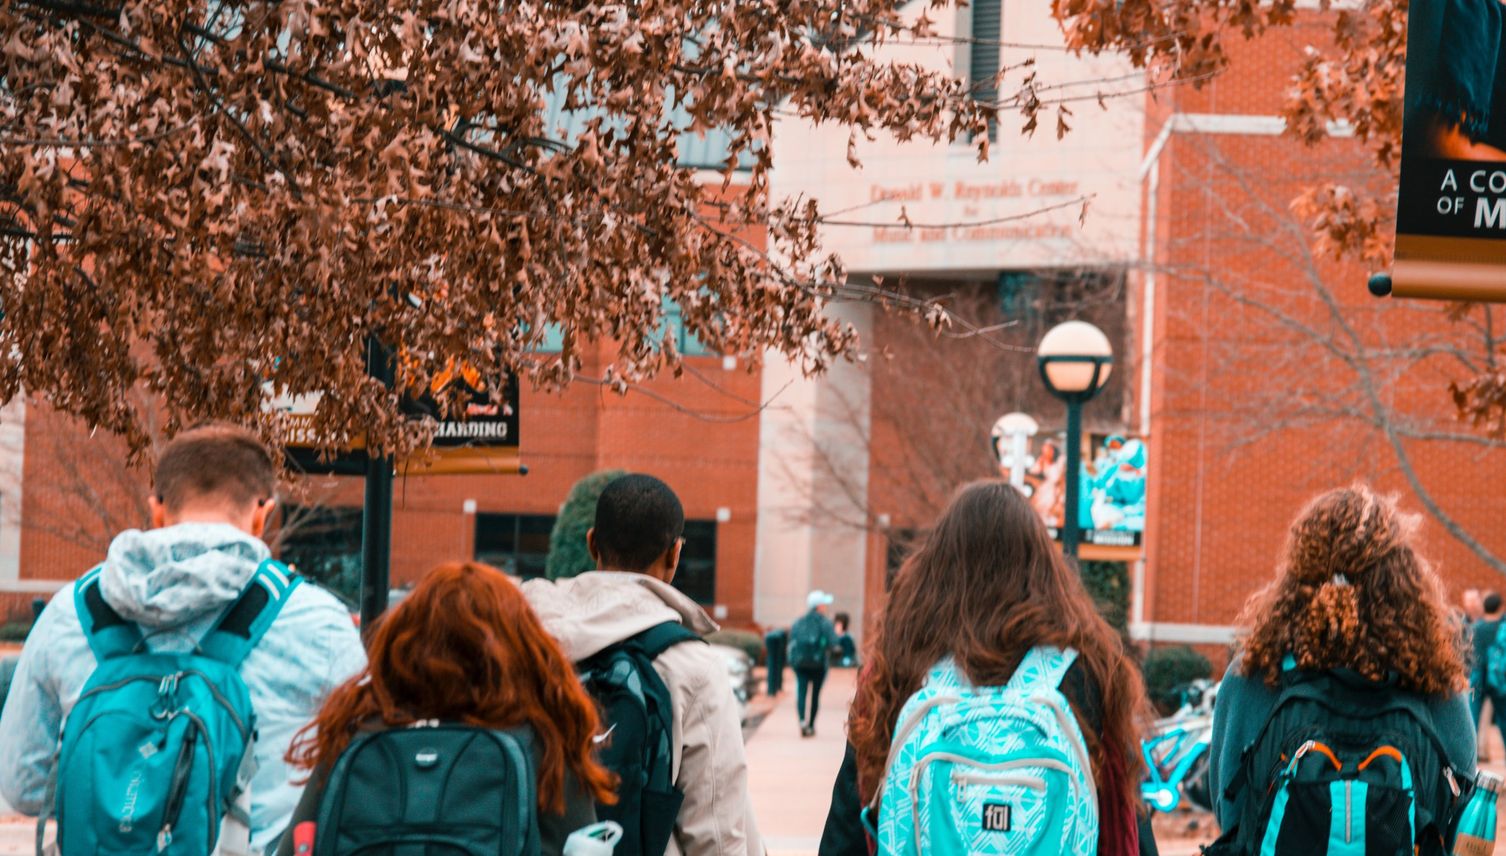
1274,374
663,428
1257,371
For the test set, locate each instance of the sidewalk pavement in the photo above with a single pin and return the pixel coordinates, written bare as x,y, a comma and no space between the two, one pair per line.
789,776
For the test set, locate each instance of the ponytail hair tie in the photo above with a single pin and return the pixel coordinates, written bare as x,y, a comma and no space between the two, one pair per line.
1340,580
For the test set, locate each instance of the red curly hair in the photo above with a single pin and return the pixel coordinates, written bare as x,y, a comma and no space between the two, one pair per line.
1353,593
464,646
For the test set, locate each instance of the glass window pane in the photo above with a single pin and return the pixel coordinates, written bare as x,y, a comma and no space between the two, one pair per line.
324,545
533,544
696,576
497,541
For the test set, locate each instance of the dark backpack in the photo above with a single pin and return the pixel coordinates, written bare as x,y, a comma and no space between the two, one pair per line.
638,741
810,641
1343,765
441,790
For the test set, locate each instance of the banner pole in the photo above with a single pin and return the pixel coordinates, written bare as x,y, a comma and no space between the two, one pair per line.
376,517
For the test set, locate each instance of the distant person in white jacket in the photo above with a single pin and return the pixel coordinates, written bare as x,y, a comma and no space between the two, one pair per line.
213,492
636,543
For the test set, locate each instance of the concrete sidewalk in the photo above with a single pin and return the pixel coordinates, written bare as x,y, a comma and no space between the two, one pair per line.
790,776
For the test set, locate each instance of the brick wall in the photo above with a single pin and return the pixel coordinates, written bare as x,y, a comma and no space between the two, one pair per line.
698,432
1257,405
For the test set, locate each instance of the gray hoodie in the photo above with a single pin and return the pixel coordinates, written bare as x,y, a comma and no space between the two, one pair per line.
589,612
174,583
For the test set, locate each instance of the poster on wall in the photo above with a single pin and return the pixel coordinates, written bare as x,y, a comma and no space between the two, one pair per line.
1451,207
1111,494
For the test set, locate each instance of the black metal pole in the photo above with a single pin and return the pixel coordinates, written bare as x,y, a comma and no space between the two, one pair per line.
376,517
1073,477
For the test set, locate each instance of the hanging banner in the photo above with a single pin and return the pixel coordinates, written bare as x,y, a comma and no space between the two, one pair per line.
1451,208
1111,487
483,442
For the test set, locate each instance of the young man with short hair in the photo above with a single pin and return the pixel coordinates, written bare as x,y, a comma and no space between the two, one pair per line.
636,543
213,492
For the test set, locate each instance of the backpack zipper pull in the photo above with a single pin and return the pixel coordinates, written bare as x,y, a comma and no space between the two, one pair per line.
164,838
1291,768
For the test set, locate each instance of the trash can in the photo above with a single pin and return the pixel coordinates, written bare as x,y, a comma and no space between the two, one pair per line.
775,642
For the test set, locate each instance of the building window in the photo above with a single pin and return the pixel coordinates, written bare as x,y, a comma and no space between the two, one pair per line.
674,325
324,545
516,543
696,576
554,340
1019,295
901,543
983,62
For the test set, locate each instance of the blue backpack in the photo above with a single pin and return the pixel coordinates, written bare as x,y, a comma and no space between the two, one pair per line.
157,752
984,770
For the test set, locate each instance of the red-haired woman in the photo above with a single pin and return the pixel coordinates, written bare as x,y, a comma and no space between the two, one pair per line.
1357,617
987,587
465,647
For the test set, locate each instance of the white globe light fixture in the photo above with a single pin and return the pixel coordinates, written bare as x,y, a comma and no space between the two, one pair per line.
1075,359
1011,440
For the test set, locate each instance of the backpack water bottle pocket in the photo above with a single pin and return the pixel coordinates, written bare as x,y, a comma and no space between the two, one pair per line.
970,804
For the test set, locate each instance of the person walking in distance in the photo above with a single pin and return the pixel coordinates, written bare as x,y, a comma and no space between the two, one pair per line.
1343,725
672,727
241,647
812,638
460,658
1488,673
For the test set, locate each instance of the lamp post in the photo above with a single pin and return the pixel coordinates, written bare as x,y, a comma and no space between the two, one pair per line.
1075,359
1011,438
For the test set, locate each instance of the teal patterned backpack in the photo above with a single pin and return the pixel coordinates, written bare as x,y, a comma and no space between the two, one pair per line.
983,770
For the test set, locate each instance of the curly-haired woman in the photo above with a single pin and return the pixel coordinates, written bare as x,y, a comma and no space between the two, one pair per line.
1354,604
465,647
986,590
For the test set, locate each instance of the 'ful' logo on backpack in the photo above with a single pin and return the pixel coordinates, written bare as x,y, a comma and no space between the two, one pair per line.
995,817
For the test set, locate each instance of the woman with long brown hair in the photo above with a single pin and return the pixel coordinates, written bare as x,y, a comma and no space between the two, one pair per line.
1351,643
465,647
986,587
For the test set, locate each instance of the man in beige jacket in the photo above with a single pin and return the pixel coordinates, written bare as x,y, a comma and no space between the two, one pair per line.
636,543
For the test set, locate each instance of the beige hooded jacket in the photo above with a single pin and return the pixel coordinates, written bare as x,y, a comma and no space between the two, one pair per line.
594,610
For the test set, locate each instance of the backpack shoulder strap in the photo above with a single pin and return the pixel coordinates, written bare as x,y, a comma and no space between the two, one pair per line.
661,637
243,624
1042,665
109,635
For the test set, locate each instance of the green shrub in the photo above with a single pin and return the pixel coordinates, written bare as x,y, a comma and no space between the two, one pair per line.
1109,584
1168,668
568,556
746,641
15,631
